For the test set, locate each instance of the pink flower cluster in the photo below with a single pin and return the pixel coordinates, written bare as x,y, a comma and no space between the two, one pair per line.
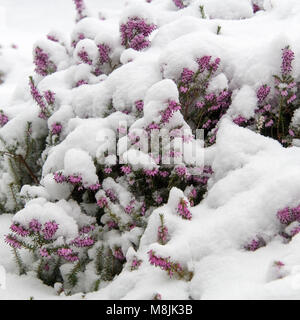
183,210
255,8
104,51
86,229
289,215
179,4
80,36
3,119
126,169
102,202
239,120
134,33
49,96
13,241
255,244
41,100
187,75
56,128
84,57
287,59
50,229
263,92
167,114
80,8
206,64
139,105
68,254
81,82
118,254
135,264
44,65
19,230
165,264
83,242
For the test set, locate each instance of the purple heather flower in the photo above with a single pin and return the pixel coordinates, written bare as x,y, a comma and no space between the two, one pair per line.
134,33
80,8
84,57
67,254
74,179
44,252
239,120
291,99
104,51
164,264
118,254
287,58
291,133
13,241
166,115
111,224
135,264
50,229
204,64
80,83
126,169
52,38
35,225
162,234
108,170
179,4
44,65
59,177
19,230
111,195
139,105
255,244
49,96
36,95
269,123
255,8
94,187
139,42
183,210
83,242
187,75
3,119
102,202
56,128
151,173
181,171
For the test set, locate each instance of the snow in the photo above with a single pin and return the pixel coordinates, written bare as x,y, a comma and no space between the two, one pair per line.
254,176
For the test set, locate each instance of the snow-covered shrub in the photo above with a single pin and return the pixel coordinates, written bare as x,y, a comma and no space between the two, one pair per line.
276,106
91,212
202,109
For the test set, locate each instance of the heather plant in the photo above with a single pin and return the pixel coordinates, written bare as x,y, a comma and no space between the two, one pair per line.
135,32
289,219
121,196
202,109
80,10
49,250
276,106
180,4
21,160
173,269
44,65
